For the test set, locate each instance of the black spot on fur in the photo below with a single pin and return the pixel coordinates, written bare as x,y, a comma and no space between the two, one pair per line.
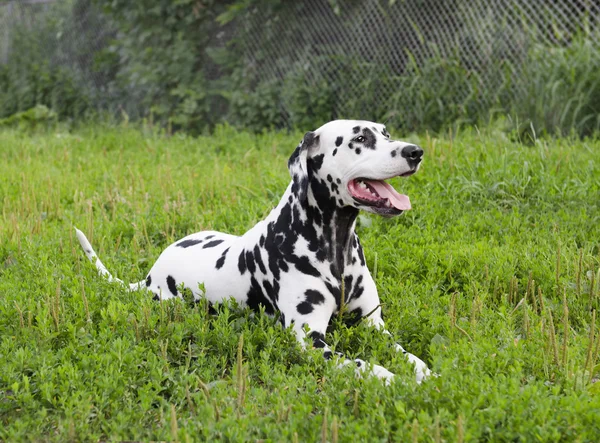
208,237
304,308
172,285
272,290
394,153
347,289
329,178
259,261
370,139
334,152
188,243
221,260
250,262
357,150
304,185
327,355
339,181
242,262
353,317
339,141
318,339
156,297
212,244
356,129
314,297
148,280
318,219
304,266
335,291
315,162
357,290
361,254
256,298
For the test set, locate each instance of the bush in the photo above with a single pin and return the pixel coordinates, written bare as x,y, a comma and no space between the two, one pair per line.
162,53
189,65
560,88
33,75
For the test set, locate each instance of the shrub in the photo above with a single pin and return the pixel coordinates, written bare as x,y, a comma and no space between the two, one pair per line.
190,65
34,75
560,88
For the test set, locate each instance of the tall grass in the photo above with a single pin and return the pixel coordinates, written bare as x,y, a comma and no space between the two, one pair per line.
492,278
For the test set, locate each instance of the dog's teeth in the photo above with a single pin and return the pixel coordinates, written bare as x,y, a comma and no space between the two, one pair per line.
362,185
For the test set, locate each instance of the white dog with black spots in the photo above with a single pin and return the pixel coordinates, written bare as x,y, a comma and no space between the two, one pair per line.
293,262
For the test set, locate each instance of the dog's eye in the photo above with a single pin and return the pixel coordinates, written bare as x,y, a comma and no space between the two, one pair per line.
360,139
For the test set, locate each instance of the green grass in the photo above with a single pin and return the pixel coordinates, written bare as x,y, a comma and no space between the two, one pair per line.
82,360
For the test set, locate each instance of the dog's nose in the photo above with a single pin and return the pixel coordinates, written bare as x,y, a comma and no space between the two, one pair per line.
412,153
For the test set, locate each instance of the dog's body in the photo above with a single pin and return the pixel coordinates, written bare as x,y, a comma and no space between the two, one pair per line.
294,261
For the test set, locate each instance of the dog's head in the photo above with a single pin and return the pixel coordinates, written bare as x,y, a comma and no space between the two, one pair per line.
348,161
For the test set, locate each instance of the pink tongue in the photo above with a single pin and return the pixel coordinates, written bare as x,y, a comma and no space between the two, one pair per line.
385,190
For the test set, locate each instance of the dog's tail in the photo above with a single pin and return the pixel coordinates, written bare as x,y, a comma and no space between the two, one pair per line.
91,254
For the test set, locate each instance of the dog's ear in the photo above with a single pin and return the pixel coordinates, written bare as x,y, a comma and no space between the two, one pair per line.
297,165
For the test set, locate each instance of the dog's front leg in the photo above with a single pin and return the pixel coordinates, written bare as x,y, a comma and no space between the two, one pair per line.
421,369
316,333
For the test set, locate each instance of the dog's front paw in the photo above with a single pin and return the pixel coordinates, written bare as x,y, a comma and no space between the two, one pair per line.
363,369
383,374
421,369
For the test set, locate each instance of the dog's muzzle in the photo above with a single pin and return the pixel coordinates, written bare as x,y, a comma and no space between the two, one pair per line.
413,155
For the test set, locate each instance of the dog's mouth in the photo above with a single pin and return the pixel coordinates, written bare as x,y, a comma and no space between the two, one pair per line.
379,196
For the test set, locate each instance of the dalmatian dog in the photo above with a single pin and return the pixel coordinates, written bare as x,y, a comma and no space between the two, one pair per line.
304,261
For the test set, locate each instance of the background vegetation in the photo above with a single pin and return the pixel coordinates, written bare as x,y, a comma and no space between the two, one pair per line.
492,279
192,64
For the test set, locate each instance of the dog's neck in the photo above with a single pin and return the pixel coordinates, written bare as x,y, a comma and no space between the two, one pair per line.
337,222
327,228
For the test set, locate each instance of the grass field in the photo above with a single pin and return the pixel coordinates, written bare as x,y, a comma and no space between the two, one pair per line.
492,279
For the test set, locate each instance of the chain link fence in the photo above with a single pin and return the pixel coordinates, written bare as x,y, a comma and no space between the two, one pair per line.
490,40
356,53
